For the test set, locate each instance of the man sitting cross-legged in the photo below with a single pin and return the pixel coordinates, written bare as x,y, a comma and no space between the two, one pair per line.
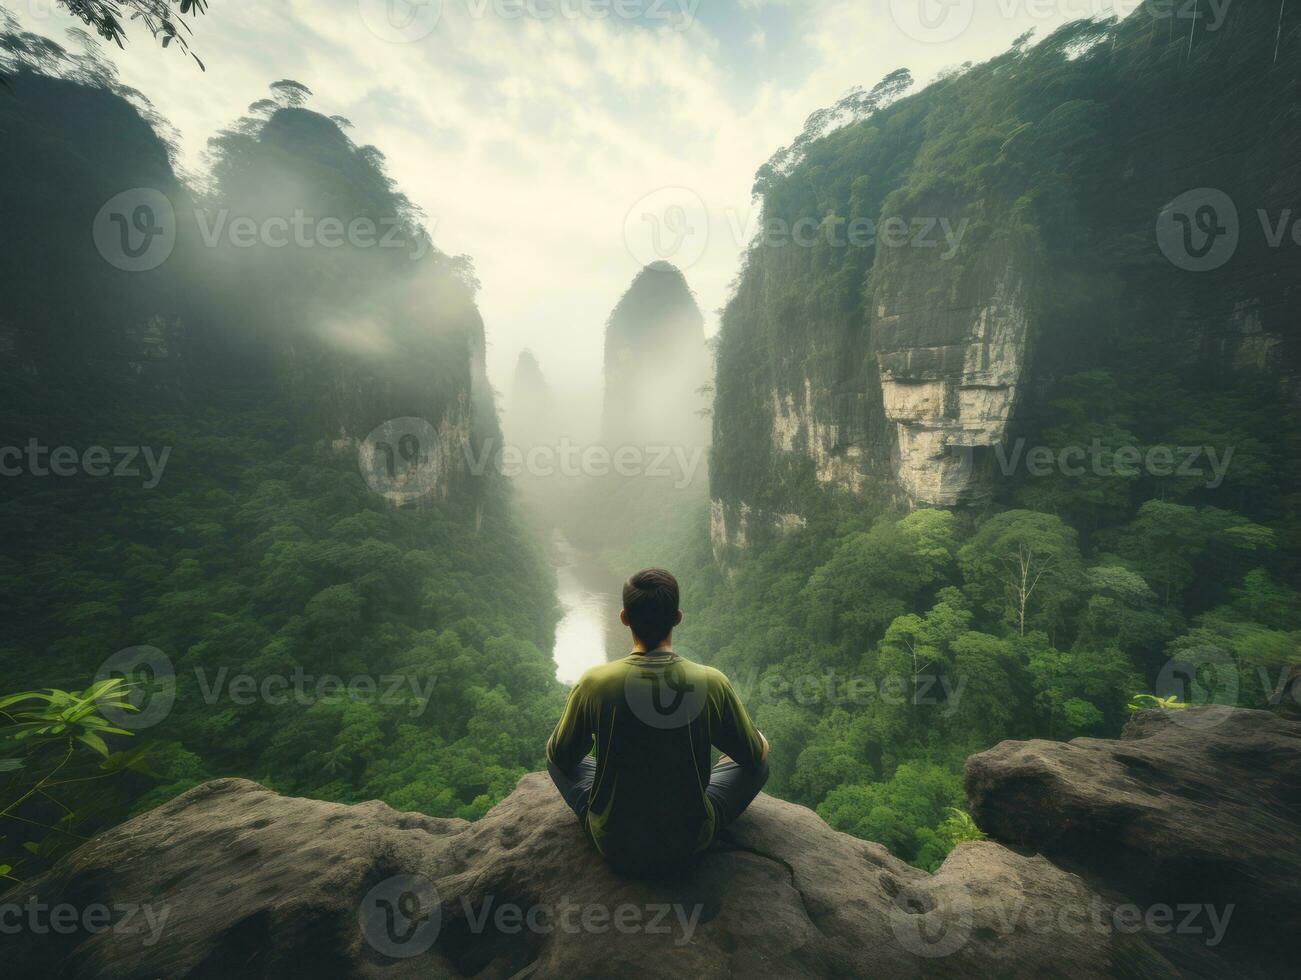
649,799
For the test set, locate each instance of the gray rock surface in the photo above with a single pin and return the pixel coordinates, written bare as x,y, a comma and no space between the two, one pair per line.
260,885
231,879
1194,807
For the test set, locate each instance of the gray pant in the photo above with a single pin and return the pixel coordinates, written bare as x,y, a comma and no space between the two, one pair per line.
732,788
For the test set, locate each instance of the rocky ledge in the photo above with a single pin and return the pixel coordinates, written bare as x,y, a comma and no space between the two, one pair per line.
232,879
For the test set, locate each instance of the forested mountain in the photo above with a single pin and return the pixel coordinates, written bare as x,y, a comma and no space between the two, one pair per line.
656,363
996,447
246,417
1004,249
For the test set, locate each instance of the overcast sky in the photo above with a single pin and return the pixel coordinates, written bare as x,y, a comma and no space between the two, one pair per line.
539,135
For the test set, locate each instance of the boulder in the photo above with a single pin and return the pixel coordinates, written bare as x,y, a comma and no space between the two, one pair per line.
1192,809
231,879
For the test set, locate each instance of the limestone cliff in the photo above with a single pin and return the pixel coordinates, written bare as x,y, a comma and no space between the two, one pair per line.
923,276
655,363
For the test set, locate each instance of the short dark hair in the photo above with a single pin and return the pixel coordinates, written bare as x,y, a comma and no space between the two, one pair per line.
650,598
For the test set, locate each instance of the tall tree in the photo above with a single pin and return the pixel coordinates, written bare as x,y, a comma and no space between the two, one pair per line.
1025,566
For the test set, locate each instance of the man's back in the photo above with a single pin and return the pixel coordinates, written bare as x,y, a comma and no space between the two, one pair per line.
653,719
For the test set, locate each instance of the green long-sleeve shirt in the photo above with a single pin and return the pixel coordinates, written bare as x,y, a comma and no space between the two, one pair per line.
652,721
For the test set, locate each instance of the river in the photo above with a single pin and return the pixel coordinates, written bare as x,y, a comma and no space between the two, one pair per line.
589,630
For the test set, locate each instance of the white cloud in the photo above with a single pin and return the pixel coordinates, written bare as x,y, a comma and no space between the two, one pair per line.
527,142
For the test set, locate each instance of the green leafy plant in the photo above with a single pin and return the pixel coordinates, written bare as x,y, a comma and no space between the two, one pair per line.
51,739
958,826
1140,702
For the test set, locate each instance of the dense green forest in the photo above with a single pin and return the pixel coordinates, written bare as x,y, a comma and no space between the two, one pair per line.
297,627
882,642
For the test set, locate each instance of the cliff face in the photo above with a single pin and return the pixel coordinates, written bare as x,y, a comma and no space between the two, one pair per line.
301,277
655,363
1011,224
231,877
531,417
